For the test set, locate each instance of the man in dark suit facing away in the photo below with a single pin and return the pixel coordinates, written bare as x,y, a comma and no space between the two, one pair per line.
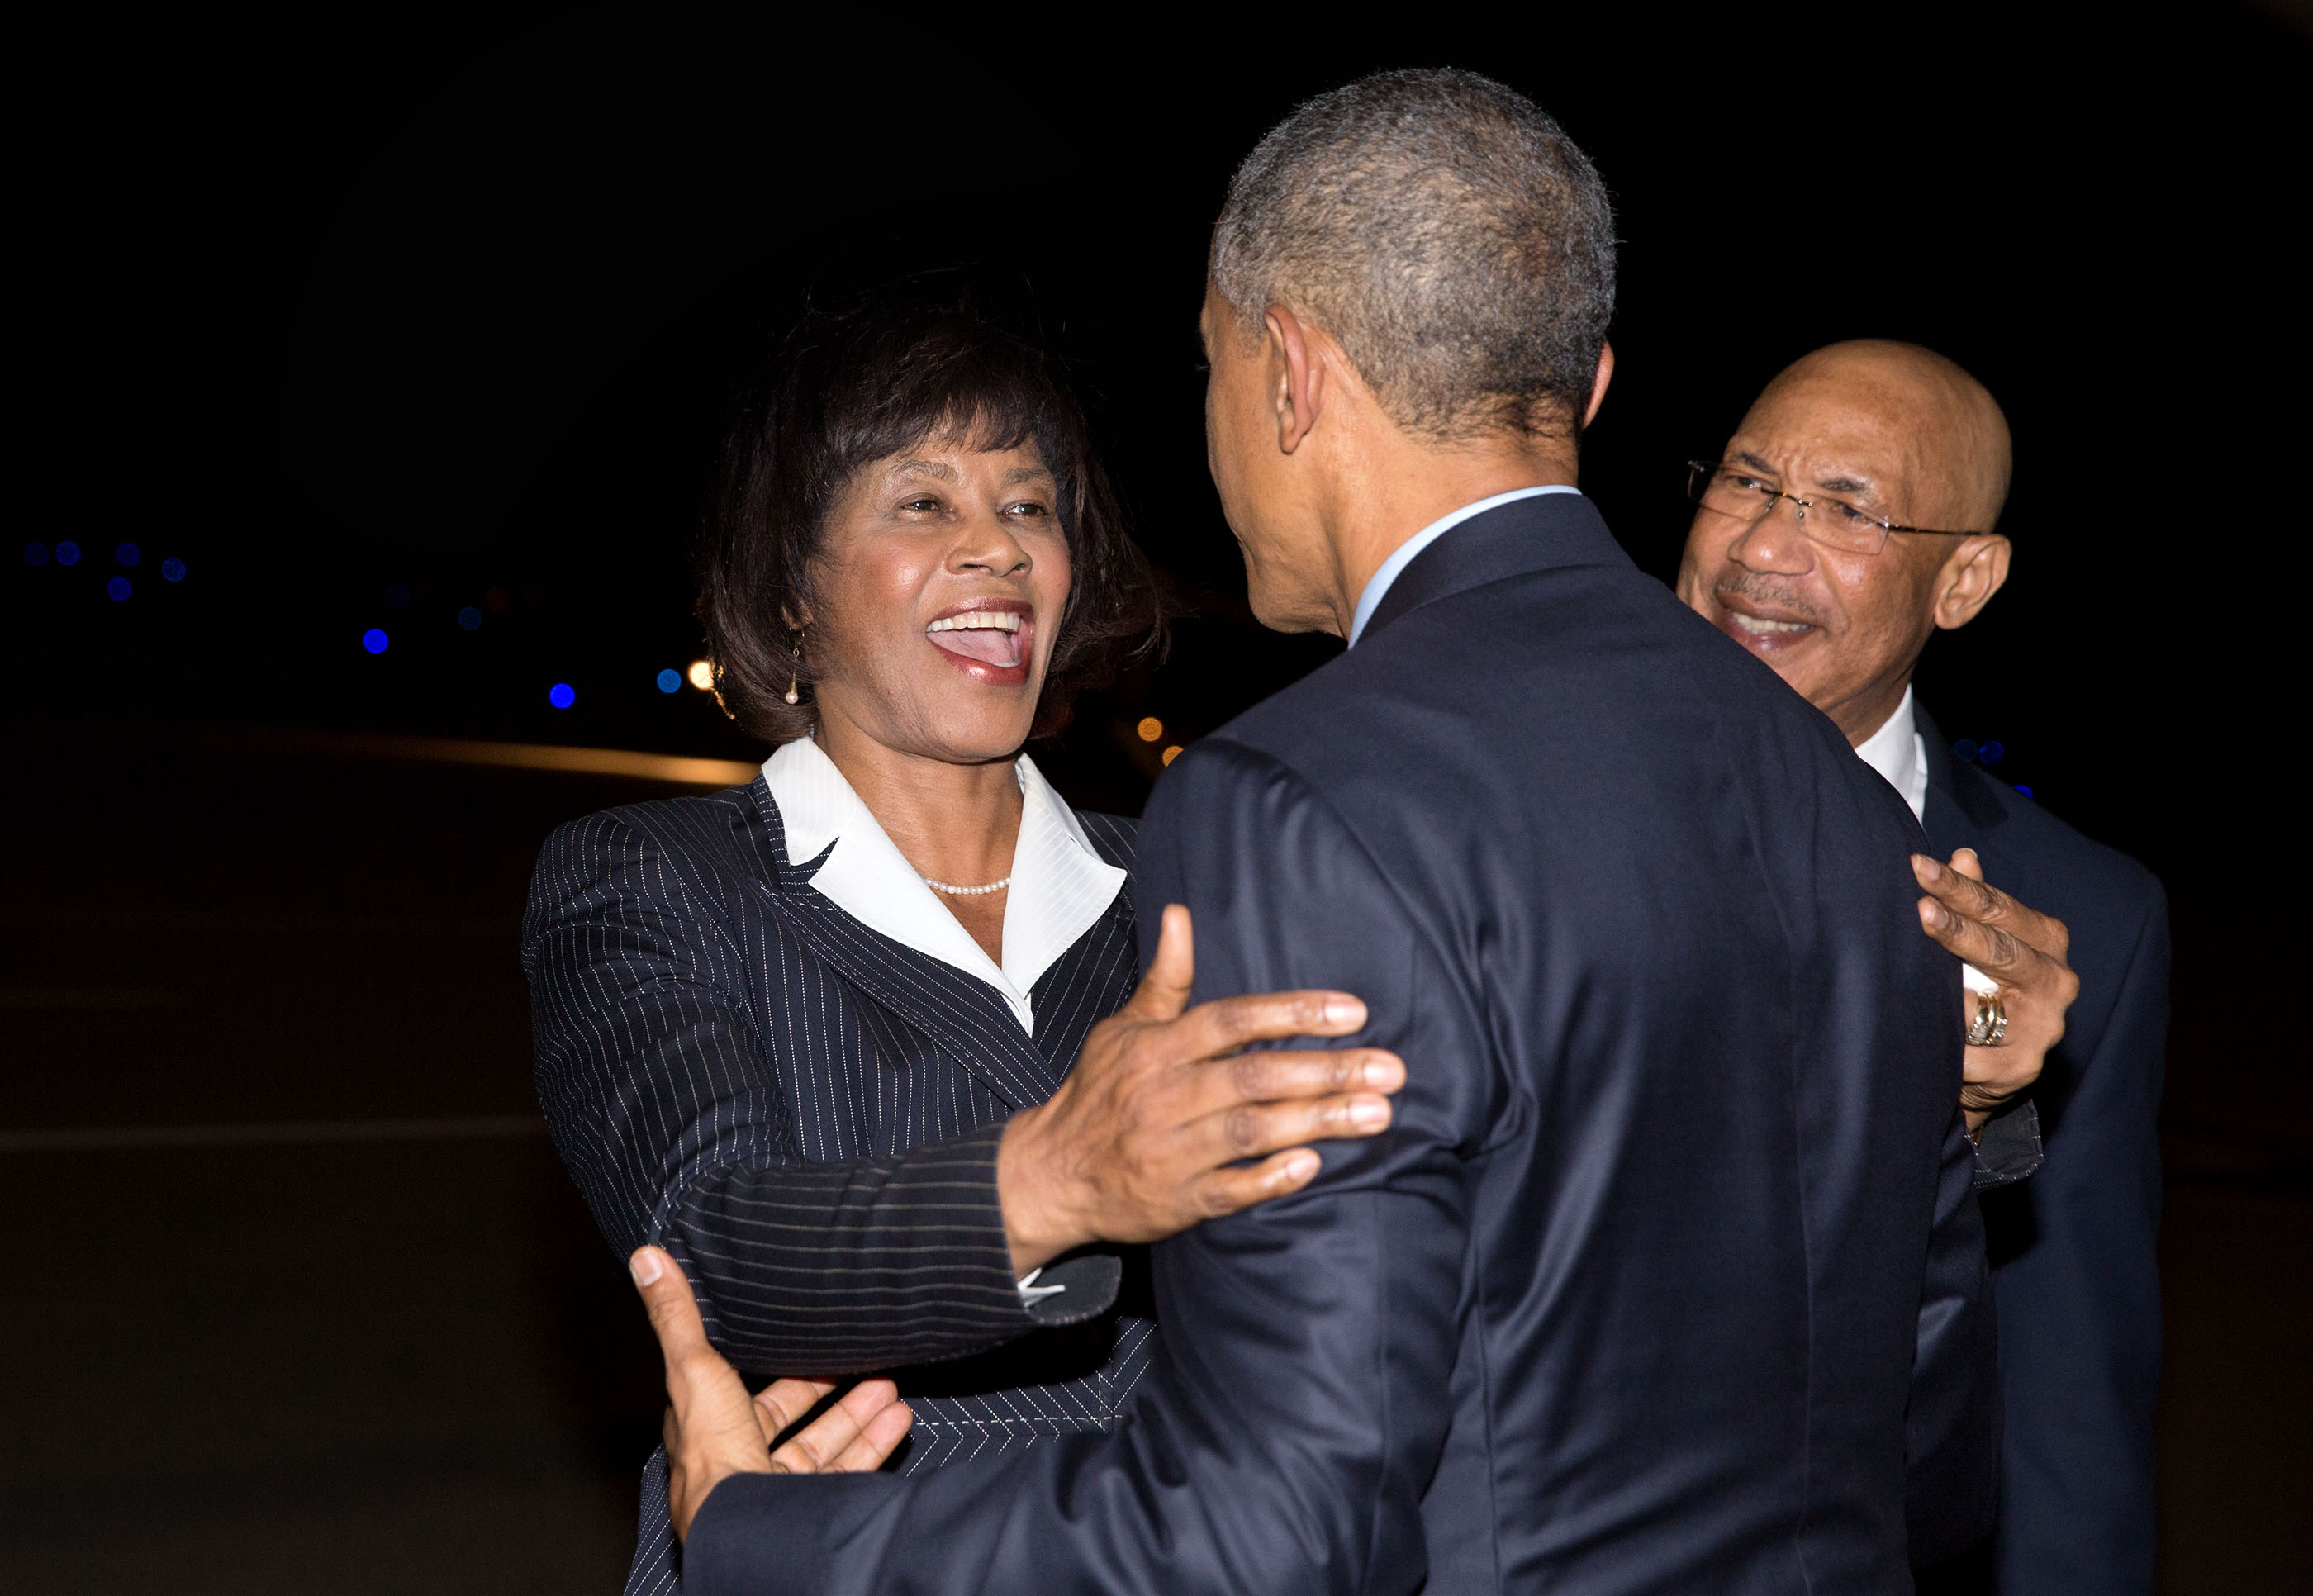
1872,431
1667,1275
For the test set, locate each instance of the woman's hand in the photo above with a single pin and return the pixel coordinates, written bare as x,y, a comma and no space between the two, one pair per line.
2022,949
1142,1139
714,1429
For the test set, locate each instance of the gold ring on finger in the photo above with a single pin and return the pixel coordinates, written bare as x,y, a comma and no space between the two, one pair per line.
1989,1029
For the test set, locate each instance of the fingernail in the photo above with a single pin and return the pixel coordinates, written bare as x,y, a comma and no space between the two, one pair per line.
1344,1011
1936,915
645,1266
1928,866
1301,1166
1368,1113
1387,1073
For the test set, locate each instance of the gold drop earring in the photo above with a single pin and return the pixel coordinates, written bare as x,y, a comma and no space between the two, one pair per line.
794,670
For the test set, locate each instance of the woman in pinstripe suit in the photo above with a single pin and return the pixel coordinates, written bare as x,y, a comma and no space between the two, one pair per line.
841,1040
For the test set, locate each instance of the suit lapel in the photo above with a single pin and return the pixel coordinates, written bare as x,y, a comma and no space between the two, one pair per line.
965,1015
1959,811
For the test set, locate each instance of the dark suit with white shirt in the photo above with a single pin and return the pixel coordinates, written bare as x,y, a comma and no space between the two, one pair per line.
2075,1267
1668,1275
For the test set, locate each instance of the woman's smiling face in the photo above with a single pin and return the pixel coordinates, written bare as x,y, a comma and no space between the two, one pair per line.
939,590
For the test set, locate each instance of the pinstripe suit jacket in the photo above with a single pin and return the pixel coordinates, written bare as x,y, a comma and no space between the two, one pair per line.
806,1114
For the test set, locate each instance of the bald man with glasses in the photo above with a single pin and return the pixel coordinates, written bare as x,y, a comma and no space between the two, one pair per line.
1851,517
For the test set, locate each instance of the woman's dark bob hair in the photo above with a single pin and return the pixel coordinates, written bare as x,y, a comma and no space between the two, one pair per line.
857,384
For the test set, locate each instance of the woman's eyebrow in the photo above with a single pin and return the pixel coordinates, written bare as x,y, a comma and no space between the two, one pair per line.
1028,474
924,468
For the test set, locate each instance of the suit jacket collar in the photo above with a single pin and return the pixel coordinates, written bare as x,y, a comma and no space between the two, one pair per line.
968,1017
1953,790
1529,535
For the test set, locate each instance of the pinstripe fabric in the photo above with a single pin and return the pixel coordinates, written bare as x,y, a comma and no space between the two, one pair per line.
806,1113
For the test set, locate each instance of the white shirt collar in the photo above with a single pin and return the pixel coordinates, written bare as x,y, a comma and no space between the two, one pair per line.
1379,585
1059,886
1899,751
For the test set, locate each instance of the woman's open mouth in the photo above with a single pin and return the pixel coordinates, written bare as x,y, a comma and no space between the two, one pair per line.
990,640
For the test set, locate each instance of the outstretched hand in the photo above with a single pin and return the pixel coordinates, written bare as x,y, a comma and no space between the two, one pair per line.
715,1430
1150,1131
2022,949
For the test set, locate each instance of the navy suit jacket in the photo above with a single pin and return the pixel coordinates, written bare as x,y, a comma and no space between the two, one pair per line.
2074,1268
1629,1297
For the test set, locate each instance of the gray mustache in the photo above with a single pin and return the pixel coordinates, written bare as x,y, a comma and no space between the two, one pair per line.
1768,590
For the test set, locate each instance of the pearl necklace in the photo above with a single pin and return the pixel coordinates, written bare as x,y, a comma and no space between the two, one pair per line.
966,892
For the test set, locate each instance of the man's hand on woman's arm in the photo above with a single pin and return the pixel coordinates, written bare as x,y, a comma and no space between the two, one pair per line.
715,1430
1151,1130
2022,949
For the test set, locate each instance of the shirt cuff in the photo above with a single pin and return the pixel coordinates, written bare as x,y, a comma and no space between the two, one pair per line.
1071,1291
2009,1150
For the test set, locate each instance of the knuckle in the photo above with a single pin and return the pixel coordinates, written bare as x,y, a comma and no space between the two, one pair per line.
1242,1129
1215,1198
1232,1021
1253,1074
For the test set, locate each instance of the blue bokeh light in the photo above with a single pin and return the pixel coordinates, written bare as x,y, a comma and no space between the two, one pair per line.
560,696
128,554
36,553
469,618
397,596
174,569
67,553
2023,789
670,680
1965,750
375,640
118,587
1991,753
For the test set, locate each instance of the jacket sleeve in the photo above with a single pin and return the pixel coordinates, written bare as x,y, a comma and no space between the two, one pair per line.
2009,1150
657,1086
1297,1403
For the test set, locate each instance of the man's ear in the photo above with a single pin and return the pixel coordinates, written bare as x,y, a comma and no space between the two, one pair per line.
1297,371
1598,383
1977,570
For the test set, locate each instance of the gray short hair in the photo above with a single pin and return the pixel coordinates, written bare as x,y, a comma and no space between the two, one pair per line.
1446,233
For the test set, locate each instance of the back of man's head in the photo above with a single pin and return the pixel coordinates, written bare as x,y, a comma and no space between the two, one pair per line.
1449,237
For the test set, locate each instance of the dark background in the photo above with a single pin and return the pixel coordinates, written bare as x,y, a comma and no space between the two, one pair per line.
370,319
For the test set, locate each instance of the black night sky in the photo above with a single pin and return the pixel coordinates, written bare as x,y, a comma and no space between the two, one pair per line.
456,307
